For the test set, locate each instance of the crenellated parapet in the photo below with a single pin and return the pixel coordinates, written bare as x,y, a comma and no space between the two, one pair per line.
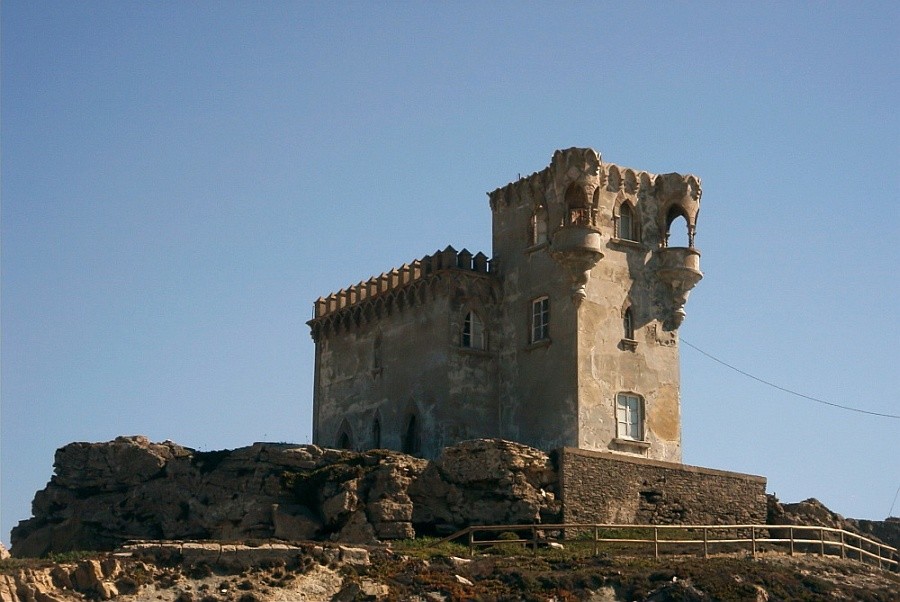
575,184
581,175
398,288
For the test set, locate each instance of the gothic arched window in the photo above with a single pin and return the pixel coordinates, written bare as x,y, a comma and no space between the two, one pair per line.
345,436
411,437
473,332
626,226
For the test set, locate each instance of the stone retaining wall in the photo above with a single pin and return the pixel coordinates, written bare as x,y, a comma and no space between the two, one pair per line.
600,487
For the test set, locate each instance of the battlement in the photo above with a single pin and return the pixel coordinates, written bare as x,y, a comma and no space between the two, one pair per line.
389,283
577,163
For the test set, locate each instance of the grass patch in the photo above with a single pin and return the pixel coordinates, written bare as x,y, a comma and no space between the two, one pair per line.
427,548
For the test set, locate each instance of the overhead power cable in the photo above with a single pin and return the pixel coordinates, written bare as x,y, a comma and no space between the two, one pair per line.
780,388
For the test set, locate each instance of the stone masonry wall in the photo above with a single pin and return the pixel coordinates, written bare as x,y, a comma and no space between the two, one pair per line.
600,487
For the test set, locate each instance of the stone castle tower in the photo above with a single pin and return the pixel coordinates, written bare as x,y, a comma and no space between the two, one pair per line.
567,337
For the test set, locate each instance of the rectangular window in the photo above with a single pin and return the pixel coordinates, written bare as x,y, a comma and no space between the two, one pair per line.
630,416
540,319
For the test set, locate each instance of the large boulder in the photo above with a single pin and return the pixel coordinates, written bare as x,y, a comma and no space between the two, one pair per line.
486,481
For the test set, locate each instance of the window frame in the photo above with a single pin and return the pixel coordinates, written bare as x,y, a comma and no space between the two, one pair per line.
632,233
630,419
539,227
540,320
628,324
474,333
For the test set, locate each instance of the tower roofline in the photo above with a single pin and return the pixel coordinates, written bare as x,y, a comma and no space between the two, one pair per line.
408,274
612,176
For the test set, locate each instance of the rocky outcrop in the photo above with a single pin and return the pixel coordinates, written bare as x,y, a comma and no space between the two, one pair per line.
104,494
176,570
486,481
814,512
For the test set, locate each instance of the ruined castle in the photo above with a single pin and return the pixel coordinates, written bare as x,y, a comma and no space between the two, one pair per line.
566,337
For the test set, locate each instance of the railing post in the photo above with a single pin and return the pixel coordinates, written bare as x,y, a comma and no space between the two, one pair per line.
753,539
596,537
822,542
471,543
534,541
656,542
705,543
843,549
791,535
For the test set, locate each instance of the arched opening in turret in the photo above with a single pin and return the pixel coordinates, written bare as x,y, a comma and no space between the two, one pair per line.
578,206
677,232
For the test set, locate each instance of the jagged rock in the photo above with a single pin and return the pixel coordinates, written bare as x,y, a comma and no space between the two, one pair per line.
357,529
814,512
124,462
336,508
106,493
390,511
295,523
485,481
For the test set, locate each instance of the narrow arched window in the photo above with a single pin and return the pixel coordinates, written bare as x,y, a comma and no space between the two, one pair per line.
376,433
411,441
345,436
473,332
626,226
628,324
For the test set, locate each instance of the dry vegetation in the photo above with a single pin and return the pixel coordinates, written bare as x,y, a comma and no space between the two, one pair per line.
413,571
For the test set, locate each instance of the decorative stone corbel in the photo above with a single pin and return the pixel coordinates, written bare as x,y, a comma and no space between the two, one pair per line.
679,268
577,249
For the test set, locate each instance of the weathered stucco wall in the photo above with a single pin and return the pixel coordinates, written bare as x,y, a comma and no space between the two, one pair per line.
407,362
389,348
563,392
600,487
538,393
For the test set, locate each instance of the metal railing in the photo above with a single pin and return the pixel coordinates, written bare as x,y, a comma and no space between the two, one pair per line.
786,539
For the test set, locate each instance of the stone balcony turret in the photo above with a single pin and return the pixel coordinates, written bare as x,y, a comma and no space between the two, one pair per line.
679,268
577,247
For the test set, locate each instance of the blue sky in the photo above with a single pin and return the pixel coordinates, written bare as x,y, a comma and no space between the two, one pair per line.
181,180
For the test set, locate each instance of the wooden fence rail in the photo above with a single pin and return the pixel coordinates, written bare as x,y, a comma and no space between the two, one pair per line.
787,538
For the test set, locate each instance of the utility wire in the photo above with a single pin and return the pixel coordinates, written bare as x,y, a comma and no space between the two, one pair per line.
765,382
891,511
